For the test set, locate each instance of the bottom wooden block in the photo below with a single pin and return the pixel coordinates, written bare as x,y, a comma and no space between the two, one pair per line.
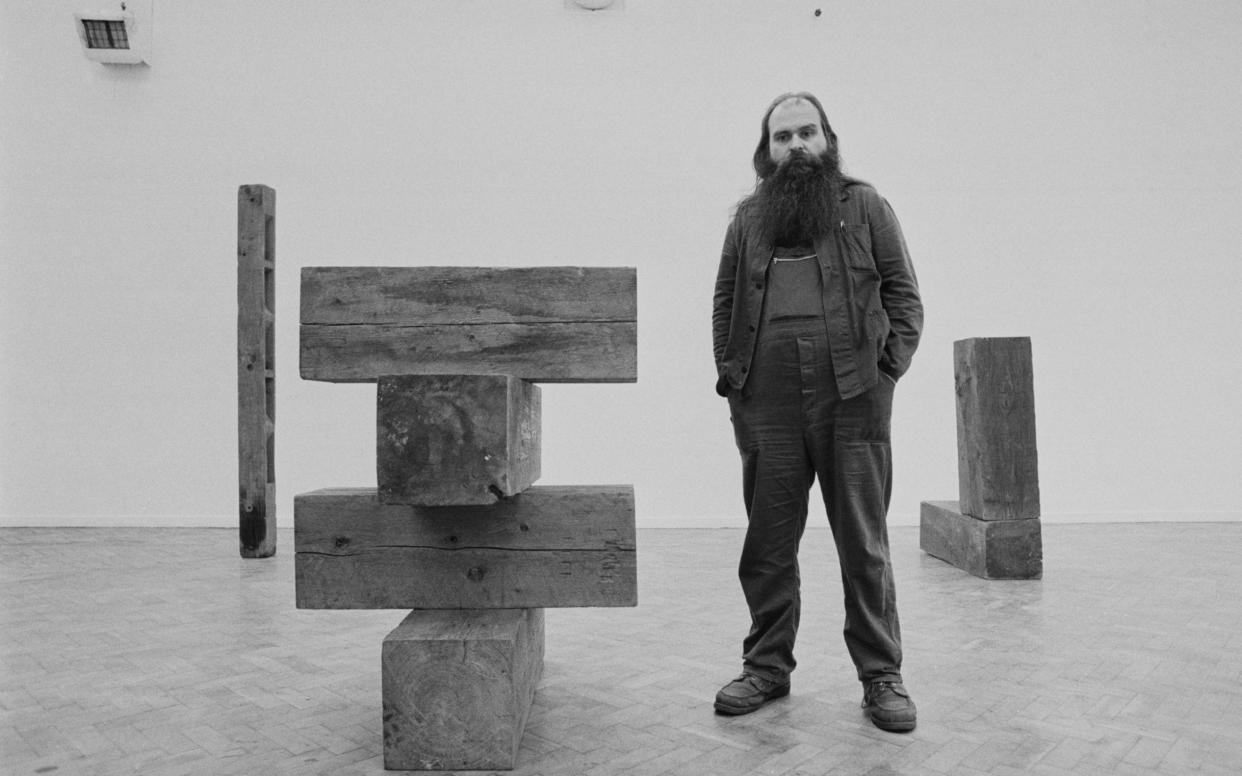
992,549
458,686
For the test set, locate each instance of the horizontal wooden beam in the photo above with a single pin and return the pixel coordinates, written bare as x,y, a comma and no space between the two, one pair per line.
543,324
584,352
423,296
992,549
551,546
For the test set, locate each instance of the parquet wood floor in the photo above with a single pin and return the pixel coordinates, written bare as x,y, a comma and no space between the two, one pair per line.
160,652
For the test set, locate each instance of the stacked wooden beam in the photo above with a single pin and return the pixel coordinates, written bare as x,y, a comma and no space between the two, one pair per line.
993,531
455,529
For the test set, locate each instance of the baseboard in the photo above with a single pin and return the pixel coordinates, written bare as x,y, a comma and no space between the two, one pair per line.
816,520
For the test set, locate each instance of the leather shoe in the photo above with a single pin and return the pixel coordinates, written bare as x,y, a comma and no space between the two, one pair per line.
747,693
889,706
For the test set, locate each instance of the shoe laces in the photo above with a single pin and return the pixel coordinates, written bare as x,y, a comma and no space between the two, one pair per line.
877,688
755,680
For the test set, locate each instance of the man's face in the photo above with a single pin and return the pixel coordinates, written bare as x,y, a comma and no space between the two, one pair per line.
794,127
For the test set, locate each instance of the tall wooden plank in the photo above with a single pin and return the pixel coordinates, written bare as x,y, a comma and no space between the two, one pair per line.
256,377
450,440
542,324
550,546
458,687
997,466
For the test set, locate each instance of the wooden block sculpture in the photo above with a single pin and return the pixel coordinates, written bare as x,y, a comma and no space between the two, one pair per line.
993,531
455,529
542,324
256,369
456,439
551,546
458,685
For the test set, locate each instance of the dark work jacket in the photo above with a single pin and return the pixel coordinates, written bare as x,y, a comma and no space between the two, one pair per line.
870,294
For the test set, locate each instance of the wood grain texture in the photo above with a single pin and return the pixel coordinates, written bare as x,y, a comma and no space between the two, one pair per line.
448,440
256,412
991,549
424,296
586,352
548,547
543,324
458,687
997,464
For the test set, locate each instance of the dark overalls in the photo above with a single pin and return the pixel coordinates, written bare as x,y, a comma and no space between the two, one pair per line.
791,427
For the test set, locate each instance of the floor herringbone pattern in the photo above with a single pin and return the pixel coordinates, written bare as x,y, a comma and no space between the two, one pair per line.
160,652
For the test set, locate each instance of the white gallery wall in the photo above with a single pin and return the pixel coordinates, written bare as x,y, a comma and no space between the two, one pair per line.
1066,171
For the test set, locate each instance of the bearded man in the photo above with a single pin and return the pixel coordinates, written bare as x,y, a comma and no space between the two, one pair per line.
815,317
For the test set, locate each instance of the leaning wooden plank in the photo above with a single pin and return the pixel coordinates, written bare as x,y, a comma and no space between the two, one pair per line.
467,295
256,352
551,546
997,462
574,352
458,687
449,440
542,324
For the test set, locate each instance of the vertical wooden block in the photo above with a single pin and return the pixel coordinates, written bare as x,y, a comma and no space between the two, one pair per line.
458,686
256,370
449,440
997,466
992,549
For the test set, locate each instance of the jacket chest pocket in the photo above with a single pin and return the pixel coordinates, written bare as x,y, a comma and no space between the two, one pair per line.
856,245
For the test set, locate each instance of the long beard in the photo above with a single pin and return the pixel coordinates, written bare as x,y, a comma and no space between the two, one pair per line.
798,202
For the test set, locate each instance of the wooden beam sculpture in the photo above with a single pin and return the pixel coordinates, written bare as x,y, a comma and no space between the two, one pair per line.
993,531
455,529
542,324
256,369
456,439
549,547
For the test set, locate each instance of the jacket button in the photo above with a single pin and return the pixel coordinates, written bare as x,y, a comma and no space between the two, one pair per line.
743,370
751,328
759,286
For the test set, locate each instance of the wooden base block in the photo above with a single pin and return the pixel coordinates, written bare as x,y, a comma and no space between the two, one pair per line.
992,549
449,440
547,547
458,687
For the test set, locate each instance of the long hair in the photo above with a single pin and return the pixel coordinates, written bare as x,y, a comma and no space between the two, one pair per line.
762,160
